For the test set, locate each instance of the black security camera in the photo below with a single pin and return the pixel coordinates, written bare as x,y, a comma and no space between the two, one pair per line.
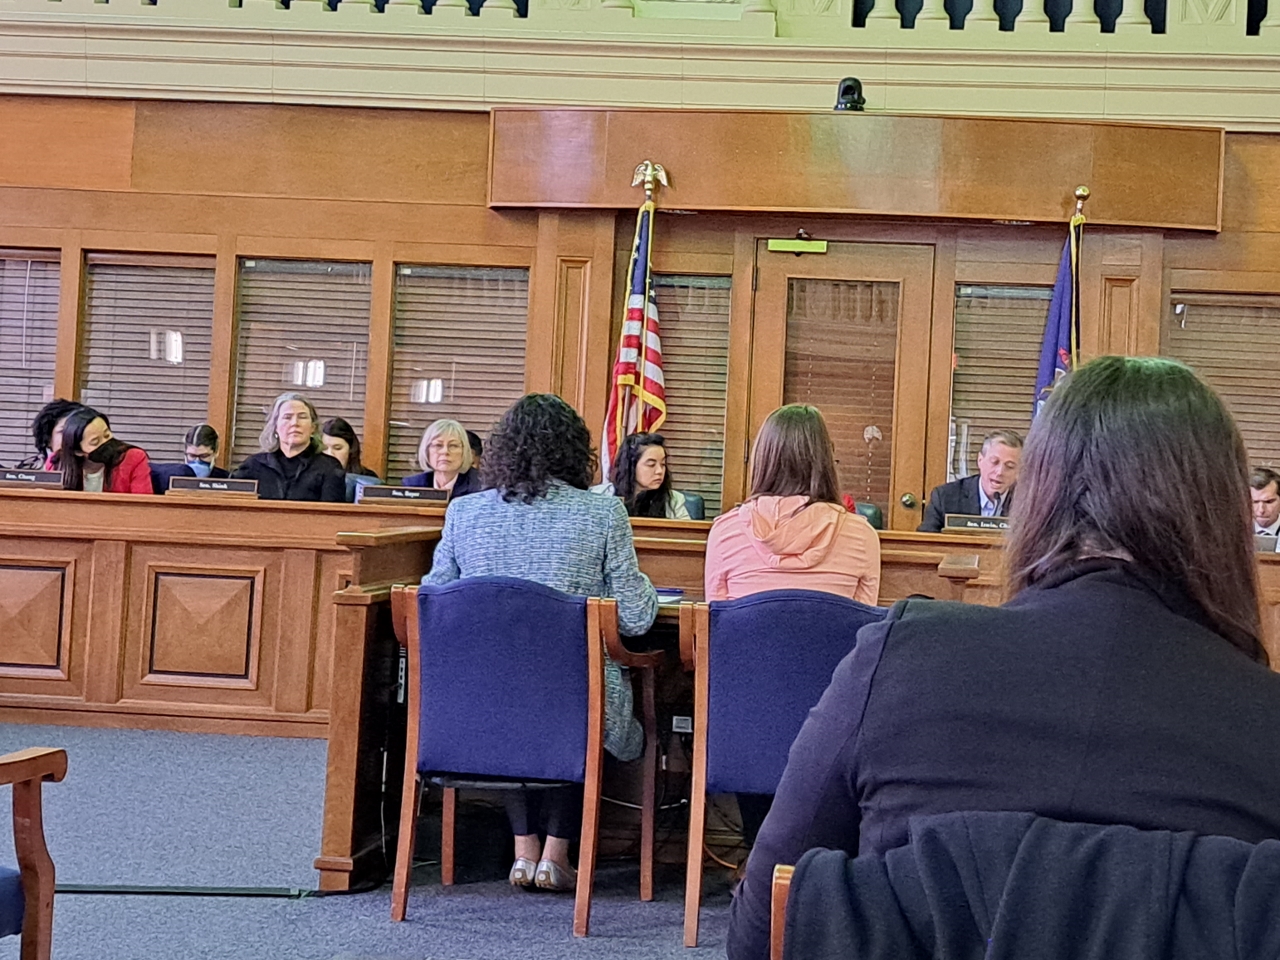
849,95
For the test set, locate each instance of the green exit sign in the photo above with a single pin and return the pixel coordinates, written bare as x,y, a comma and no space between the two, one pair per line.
798,246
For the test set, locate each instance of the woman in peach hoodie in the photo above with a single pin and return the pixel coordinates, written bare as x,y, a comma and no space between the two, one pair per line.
793,532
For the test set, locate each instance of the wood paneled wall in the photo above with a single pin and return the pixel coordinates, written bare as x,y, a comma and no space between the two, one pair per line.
878,164
383,186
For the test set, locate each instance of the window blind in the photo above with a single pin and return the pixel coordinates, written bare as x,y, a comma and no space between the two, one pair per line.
694,325
147,336
459,352
842,341
1233,342
28,340
998,331
303,328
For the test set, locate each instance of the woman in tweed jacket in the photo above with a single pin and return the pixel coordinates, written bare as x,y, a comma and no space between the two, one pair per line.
537,521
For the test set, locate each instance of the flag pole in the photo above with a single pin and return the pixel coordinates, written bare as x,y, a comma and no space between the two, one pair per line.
649,174
1076,230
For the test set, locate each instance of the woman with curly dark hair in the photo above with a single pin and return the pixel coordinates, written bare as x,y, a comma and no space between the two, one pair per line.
46,434
537,520
640,476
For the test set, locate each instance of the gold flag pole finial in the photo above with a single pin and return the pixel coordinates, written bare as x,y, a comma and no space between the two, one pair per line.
1082,194
650,174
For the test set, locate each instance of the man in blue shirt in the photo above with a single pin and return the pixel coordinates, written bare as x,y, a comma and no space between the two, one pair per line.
989,493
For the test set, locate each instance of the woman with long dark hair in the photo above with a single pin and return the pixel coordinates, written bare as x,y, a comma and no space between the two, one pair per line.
642,478
1124,682
537,520
793,532
93,460
341,443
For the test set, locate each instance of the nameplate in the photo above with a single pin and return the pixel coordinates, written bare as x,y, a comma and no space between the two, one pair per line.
1264,544
373,491
208,485
971,524
44,478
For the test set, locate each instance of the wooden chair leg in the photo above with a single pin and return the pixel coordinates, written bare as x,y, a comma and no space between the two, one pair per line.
404,846
448,833
648,799
778,910
37,870
587,853
693,866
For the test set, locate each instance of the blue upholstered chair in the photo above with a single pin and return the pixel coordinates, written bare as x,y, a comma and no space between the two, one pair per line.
696,506
474,646
26,894
760,663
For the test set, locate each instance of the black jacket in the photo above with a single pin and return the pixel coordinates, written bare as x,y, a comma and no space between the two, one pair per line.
468,482
308,476
1096,696
1013,886
161,472
958,496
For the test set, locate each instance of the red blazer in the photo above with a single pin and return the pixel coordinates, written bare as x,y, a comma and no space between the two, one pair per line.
132,474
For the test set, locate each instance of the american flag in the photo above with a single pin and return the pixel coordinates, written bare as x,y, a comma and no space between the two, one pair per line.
638,401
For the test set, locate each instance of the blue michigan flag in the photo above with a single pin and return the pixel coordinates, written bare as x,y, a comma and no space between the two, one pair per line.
1060,349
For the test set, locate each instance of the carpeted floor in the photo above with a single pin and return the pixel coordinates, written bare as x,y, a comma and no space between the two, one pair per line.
481,921
152,808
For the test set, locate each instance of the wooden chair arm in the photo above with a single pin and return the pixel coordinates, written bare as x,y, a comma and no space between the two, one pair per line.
613,641
402,608
778,909
36,763
686,636
27,770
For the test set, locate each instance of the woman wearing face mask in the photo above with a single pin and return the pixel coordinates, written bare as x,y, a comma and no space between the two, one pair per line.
292,464
341,443
201,446
94,461
641,478
445,457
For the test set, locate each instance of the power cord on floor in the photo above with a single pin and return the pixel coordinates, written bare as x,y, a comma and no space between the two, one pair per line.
132,890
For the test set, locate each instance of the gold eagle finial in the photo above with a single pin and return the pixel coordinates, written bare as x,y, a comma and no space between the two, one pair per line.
650,174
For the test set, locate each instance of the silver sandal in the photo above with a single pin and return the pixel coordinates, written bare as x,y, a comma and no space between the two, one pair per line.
522,873
552,876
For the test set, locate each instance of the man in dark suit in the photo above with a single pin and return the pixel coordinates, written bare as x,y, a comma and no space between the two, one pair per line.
989,493
1264,488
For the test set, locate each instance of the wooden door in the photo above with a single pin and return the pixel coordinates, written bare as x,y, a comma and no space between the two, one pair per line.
849,332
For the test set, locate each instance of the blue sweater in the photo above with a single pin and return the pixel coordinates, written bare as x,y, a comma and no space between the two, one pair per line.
573,541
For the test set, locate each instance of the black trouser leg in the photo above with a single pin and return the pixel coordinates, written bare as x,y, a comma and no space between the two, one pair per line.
522,811
754,807
558,810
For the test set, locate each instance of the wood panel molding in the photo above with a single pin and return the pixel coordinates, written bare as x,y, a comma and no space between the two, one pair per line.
33,619
194,615
205,627
884,165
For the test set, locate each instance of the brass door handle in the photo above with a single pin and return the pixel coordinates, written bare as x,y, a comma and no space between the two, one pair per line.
909,501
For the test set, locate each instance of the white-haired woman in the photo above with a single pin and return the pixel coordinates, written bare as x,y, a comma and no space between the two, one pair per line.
292,464
446,460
